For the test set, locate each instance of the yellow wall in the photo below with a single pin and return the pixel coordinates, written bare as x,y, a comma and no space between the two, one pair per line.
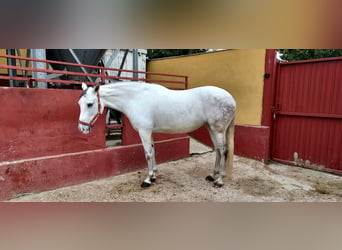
4,61
238,71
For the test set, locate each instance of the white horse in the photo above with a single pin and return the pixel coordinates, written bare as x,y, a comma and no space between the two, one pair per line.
154,108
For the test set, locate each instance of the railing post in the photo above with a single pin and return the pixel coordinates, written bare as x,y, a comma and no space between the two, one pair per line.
12,62
135,63
103,79
39,54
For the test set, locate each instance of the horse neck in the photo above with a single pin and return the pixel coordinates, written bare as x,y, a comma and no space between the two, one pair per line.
117,95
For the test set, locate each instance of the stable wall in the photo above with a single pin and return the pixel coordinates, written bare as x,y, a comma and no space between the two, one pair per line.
240,72
42,122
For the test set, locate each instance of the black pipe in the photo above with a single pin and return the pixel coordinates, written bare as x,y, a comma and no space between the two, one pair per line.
11,72
123,62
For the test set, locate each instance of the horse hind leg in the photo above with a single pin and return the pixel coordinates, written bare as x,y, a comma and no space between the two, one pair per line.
223,152
219,141
211,176
227,154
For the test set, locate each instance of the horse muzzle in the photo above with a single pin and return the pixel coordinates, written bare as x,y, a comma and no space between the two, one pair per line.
84,128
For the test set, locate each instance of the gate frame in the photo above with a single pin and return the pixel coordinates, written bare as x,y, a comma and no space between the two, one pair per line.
269,95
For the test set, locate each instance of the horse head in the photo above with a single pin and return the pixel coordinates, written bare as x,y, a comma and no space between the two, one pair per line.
90,108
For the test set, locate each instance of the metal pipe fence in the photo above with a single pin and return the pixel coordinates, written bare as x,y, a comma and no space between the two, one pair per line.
100,74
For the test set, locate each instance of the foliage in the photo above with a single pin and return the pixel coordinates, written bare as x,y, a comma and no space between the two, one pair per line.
307,54
288,54
159,53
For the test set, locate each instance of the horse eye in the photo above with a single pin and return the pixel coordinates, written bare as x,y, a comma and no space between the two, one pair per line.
89,105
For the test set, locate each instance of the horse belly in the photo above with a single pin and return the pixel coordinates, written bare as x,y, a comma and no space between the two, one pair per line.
177,130
177,124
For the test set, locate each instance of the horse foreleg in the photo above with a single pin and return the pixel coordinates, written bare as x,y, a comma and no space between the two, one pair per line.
154,164
147,141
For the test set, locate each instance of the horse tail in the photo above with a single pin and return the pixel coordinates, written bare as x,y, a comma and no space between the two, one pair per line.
230,141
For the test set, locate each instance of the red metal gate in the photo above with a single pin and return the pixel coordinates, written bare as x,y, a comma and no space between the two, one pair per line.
308,114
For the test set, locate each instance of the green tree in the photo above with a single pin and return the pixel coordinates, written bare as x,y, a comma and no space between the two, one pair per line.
308,54
159,53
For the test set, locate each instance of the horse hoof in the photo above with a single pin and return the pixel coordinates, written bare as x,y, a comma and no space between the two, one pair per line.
218,185
153,179
209,178
145,184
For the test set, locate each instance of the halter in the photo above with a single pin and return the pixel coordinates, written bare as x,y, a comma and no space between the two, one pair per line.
92,122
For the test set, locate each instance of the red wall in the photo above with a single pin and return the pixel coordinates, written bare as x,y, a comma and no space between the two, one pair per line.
51,172
41,122
249,141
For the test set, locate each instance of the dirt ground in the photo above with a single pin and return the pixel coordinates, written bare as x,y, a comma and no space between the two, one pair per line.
184,180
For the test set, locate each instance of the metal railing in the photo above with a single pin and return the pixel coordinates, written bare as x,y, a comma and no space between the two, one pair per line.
172,81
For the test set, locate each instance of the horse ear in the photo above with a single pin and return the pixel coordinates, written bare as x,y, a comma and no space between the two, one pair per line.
97,87
84,86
